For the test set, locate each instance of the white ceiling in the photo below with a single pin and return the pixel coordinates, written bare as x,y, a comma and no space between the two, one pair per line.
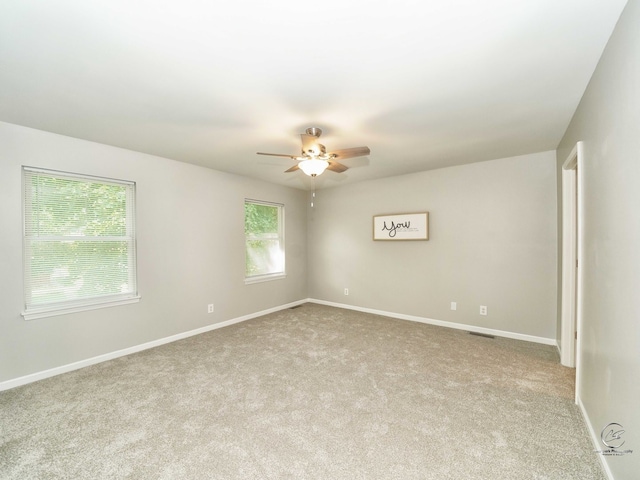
424,83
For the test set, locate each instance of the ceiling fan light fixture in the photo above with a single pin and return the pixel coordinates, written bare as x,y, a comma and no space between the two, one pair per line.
313,167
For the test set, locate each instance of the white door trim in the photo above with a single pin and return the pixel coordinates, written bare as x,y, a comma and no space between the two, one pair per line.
571,312
569,259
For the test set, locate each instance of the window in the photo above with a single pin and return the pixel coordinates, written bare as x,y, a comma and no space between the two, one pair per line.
264,238
79,242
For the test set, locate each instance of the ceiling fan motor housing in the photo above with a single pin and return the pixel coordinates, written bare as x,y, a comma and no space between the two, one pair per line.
316,150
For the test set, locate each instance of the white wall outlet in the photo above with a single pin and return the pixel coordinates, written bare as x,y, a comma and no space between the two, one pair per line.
210,308
346,291
483,309
454,306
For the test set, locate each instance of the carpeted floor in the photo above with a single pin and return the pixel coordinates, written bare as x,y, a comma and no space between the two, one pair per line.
308,393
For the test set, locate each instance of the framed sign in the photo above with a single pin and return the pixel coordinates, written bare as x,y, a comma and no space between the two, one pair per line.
401,226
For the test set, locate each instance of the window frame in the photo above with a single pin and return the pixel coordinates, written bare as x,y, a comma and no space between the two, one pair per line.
266,277
44,310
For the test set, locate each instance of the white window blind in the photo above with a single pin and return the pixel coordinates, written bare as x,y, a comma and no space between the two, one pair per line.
264,239
79,241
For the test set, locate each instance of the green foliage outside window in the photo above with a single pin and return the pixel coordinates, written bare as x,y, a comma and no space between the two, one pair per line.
260,219
262,228
78,239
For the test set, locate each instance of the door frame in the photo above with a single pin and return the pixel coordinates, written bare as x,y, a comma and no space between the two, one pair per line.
572,211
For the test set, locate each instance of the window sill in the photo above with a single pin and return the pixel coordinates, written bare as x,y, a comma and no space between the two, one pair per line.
264,278
34,314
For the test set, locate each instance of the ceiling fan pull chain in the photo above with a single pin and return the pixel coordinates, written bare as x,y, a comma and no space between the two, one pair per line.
313,193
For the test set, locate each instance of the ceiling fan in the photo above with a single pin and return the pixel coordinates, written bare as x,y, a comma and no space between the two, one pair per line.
315,159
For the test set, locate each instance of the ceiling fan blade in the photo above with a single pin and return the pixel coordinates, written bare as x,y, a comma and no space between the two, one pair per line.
279,155
350,152
292,169
337,167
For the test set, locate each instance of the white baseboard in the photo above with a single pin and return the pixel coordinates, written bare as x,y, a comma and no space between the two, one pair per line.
441,323
594,439
34,377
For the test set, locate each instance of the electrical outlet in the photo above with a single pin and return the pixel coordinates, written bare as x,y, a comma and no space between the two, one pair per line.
483,309
346,291
210,308
454,306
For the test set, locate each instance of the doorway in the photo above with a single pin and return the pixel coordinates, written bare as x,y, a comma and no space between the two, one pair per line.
571,252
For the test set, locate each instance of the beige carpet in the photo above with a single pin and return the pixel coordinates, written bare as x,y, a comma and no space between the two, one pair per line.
309,393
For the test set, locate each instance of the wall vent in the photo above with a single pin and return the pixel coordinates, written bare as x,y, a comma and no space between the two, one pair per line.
485,335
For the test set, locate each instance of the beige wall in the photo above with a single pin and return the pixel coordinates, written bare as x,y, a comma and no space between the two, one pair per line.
493,237
608,122
190,252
